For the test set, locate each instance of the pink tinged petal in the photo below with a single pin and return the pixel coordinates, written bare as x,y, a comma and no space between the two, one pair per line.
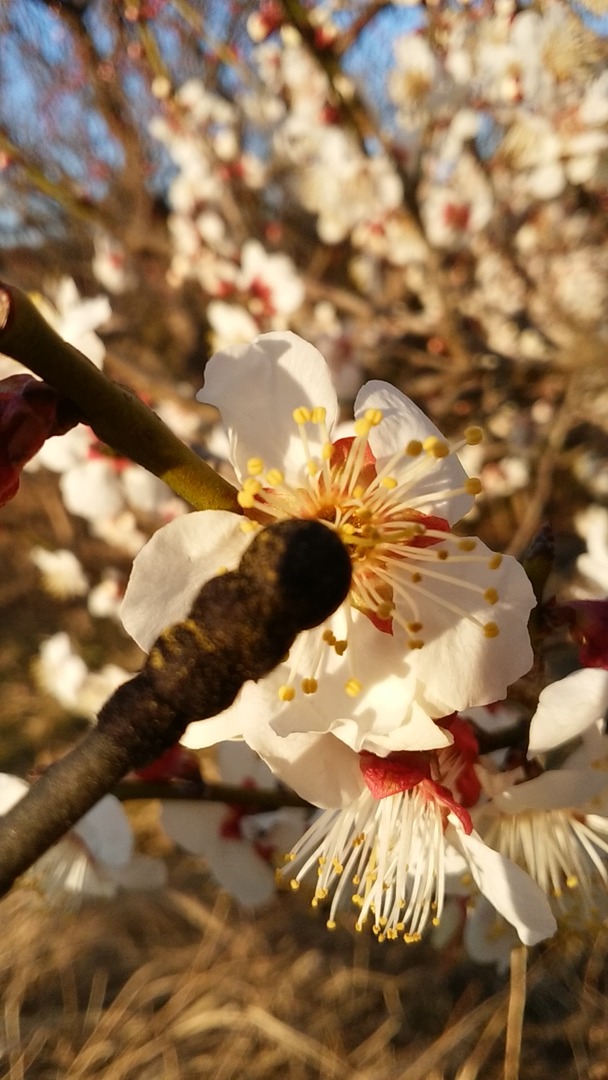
173,566
92,490
234,863
257,387
567,708
459,666
508,888
12,789
557,789
402,422
106,831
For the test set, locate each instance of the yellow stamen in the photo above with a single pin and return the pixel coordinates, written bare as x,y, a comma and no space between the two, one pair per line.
286,693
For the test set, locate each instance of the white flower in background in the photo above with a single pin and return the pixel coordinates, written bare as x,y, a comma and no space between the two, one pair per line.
344,188
271,280
555,825
61,572
389,830
76,319
241,844
110,265
95,859
231,324
457,208
64,674
98,485
426,607
104,599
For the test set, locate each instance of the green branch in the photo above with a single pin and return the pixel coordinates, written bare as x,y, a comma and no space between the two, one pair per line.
115,414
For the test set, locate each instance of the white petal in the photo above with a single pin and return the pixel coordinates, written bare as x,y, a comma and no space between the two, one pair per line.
203,733
106,832
458,666
143,491
508,888
12,789
566,708
233,862
557,789
173,566
92,490
401,422
238,764
319,767
384,716
256,388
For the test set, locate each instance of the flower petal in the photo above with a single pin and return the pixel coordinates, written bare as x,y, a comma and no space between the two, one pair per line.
319,767
508,888
557,789
459,666
256,388
401,422
234,863
106,832
171,569
566,708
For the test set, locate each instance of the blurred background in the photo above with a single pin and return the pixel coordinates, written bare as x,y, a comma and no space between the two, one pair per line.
421,190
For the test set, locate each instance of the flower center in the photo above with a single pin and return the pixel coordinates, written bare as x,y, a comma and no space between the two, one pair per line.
382,512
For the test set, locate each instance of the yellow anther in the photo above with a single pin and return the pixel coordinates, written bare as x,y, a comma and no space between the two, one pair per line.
473,485
414,627
309,686
435,921
326,451
572,881
294,884
437,448
385,609
362,427
373,416
491,596
495,561
353,687
415,643
359,491
274,477
318,414
473,435
340,647
252,485
389,482
301,415
413,448
442,554
416,577
312,467
329,637
348,529
286,693
467,544
255,466
248,526
491,630
246,500
331,924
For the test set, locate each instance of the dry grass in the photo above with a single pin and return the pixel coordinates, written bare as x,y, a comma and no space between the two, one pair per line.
176,987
